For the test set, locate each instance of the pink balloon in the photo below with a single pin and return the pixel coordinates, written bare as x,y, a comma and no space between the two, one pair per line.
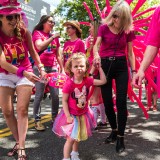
104,12
85,23
97,8
138,5
129,1
88,10
146,11
108,6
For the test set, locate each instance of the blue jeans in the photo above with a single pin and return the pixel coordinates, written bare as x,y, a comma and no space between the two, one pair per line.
119,72
40,88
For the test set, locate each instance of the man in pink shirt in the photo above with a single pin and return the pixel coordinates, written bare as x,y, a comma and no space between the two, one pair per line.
153,45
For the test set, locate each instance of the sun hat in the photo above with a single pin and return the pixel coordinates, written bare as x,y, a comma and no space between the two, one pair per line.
73,23
9,7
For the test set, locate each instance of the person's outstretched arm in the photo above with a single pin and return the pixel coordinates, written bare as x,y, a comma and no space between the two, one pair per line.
149,55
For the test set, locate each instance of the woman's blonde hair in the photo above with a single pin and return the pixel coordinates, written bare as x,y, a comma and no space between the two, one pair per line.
75,56
123,9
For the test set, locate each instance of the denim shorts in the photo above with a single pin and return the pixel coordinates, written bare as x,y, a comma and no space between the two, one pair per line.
12,80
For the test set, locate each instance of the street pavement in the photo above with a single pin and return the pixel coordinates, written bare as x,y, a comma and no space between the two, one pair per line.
142,138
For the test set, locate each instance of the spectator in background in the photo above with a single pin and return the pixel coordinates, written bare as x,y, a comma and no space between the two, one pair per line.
74,44
47,46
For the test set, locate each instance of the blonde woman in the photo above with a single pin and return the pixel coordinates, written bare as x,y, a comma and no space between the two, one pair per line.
114,36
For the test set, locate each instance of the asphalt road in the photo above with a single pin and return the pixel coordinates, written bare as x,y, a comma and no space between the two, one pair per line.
142,139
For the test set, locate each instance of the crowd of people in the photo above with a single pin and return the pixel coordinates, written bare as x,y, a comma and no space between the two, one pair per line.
90,68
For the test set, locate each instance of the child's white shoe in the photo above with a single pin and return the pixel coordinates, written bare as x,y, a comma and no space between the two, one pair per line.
74,155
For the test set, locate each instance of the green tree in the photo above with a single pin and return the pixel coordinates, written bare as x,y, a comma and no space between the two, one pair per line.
74,10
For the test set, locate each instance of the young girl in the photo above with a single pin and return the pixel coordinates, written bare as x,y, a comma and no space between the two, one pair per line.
76,120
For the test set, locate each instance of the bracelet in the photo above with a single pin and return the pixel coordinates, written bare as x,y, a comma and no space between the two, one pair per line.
41,65
42,69
134,71
20,72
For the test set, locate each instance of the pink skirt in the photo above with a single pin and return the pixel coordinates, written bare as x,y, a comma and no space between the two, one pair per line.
79,130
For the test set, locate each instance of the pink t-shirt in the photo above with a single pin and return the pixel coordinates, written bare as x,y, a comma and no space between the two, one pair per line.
78,95
48,57
110,41
15,51
153,34
72,47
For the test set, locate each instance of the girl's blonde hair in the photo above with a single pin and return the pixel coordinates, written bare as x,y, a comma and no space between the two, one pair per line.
123,9
75,56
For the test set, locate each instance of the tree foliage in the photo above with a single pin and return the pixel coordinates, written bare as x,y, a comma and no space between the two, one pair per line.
74,10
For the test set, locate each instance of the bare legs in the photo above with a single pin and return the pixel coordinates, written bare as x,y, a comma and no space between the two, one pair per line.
70,145
17,126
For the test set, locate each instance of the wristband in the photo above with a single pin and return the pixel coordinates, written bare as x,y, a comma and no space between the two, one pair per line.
42,69
20,72
134,71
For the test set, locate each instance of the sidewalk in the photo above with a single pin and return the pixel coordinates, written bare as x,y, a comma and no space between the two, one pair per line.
142,139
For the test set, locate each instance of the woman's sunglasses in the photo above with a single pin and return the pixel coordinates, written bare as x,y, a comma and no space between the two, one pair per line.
115,16
11,17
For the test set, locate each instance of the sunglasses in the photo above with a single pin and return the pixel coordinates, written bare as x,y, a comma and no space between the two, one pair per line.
68,28
11,17
51,22
115,16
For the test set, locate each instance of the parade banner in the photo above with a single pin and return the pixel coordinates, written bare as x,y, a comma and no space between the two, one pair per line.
34,9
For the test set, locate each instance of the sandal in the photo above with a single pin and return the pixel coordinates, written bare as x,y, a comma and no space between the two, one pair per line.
21,156
13,151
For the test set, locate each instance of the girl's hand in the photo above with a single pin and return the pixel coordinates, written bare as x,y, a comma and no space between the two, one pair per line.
69,119
31,76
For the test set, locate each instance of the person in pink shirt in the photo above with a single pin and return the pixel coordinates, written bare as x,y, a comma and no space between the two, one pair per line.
76,121
47,45
74,44
16,73
153,45
113,45
96,101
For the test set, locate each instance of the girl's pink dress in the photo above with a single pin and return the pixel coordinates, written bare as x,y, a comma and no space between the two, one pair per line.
84,121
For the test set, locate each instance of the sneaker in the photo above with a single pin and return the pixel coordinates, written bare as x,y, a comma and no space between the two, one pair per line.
100,124
74,155
39,126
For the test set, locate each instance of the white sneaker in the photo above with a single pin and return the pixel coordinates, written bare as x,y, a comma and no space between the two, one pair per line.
74,155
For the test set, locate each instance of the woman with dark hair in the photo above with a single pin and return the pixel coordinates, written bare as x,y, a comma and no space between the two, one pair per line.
47,45
16,72
75,44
